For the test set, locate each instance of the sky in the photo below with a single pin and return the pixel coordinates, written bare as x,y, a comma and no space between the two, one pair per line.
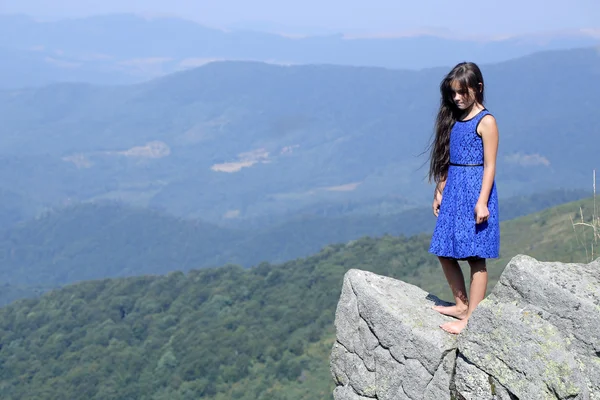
488,17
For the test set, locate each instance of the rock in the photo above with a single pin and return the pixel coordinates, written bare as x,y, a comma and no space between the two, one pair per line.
349,369
536,336
346,393
441,382
389,344
538,333
471,383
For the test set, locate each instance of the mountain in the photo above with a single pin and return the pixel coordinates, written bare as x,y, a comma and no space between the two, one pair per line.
108,240
14,208
129,48
10,293
259,333
94,241
32,68
243,140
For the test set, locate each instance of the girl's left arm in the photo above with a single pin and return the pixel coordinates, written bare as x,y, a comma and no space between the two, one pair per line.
489,134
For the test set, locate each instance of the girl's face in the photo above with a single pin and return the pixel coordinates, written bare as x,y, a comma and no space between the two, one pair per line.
463,99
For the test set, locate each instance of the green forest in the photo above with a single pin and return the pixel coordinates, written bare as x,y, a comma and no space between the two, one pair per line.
229,332
108,240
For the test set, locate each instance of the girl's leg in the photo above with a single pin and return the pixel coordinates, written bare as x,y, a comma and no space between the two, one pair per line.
479,280
477,291
456,280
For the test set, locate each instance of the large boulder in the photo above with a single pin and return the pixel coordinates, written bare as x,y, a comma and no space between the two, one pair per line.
536,336
538,333
389,344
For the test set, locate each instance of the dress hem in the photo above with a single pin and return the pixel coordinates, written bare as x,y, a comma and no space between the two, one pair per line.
466,258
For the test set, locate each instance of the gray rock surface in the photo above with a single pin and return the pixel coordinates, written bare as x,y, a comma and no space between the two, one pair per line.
538,333
471,383
389,344
536,336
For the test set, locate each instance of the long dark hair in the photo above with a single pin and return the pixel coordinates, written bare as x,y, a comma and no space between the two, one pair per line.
467,75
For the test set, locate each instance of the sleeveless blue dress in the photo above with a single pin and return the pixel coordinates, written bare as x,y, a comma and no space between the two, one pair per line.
456,235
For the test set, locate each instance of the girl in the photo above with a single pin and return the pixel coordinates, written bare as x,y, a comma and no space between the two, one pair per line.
465,202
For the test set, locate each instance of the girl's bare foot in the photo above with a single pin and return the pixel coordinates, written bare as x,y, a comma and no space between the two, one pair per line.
454,327
453,311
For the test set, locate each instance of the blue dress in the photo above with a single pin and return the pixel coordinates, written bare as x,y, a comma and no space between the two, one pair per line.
456,235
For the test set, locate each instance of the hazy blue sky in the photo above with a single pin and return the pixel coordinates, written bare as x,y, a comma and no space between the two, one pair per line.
475,17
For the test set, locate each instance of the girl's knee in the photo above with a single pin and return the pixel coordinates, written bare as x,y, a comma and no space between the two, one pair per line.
478,264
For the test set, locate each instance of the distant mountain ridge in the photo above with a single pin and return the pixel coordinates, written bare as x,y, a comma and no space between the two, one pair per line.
243,141
125,48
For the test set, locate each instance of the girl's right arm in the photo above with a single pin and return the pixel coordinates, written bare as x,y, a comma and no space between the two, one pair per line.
439,188
437,196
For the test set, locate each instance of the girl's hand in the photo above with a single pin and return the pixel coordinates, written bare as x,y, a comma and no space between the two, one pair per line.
437,200
481,213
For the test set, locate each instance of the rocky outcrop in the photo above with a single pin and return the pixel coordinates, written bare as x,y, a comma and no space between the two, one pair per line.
388,344
538,333
537,336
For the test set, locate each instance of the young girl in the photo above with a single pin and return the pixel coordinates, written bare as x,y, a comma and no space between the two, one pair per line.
465,202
